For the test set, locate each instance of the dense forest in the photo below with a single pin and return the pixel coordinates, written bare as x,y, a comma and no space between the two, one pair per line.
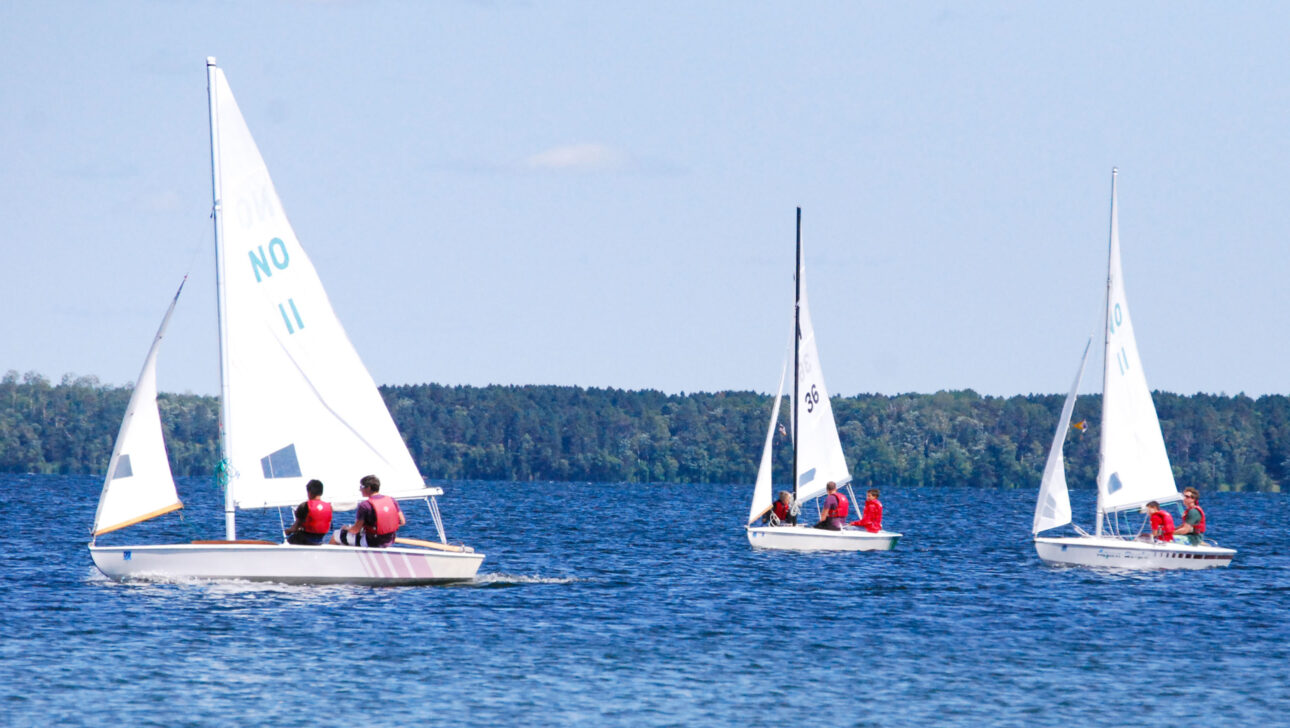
612,435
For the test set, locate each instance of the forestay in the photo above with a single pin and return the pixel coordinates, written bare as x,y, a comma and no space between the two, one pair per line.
1054,506
298,402
139,484
1134,465
762,496
819,450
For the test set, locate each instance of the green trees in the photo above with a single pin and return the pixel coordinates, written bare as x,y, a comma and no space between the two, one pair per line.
575,434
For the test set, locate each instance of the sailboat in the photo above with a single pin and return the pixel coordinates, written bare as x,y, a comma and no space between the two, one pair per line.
296,403
1133,464
817,450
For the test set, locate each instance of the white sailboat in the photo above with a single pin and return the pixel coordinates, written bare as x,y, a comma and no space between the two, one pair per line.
817,450
296,403
1133,464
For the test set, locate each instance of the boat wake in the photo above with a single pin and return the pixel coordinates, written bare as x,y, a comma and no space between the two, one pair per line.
506,580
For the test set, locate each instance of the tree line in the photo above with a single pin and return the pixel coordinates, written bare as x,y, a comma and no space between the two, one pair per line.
554,433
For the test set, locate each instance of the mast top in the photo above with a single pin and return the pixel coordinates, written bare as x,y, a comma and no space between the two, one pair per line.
210,60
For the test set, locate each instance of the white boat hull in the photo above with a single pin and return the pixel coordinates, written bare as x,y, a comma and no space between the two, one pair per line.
287,564
805,538
1121,553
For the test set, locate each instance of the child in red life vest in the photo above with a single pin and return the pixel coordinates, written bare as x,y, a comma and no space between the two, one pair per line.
1162,524
871,519
313,518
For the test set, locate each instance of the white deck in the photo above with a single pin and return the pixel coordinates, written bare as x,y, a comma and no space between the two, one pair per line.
805,538
287,564
1127,554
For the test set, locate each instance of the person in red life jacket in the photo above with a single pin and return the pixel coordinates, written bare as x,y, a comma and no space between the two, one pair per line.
1162,524
1193,525
871,519
835,509
781,514
313,518
377,522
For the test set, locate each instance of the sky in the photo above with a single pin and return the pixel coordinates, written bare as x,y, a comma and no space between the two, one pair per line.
603,194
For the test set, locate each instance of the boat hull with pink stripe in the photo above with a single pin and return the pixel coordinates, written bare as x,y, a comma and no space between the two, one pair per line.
287,564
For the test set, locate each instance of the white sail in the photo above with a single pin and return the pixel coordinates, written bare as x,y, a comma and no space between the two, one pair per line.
819,450
762,495
298,402
1134,467
138,484
1053,508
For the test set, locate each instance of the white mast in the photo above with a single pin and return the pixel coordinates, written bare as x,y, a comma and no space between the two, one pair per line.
1106,344
217,214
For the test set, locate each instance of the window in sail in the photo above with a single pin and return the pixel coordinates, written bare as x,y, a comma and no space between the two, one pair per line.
807,477
1114,484
122,468
281,464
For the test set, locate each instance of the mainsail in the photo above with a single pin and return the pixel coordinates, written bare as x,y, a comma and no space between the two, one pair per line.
1054,506
1134,466
138,484
297,401
819,450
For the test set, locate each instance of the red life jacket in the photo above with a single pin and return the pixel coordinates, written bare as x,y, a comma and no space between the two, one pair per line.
781,510
839,507
1199,527
872,520
387,515
319,519
1164,522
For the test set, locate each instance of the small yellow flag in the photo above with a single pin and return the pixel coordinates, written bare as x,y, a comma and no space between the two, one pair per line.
1081,425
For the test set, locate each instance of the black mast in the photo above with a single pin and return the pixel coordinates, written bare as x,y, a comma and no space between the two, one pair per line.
797,340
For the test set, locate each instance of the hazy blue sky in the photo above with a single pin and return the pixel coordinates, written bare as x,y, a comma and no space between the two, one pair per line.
602,193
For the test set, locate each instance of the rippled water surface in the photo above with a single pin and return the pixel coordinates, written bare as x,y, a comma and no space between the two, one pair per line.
644,605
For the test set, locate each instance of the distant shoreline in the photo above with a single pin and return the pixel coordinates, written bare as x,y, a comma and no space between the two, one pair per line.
570,434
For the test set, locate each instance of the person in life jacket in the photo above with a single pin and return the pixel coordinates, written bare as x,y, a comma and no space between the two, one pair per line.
377,521
781,514
1193,525
835,509
1162,524
313,518
871,519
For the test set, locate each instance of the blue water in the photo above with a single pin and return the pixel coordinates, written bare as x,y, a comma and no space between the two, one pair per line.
617,605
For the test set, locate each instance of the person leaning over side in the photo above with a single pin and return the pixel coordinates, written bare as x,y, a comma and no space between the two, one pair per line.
835,509
1193,525
377,520
313,518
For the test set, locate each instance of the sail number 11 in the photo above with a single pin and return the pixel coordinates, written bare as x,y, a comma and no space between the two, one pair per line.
279,258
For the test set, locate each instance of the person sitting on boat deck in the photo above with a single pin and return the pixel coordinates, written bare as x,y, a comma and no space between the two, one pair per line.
871,519
781,514
1162,524
835,509
1193,525
313,518
377,521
